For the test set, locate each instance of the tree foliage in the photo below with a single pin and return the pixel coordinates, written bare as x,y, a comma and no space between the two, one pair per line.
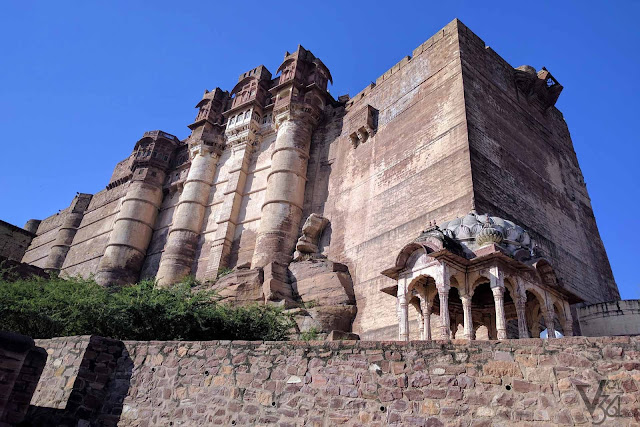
45,308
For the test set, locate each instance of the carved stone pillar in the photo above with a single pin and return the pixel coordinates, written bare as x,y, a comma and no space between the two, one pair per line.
403,318
549,321
425,306
230,209
282,207
469,333
568,323
66,233
501,322
521,312
496,277
180,250
445,328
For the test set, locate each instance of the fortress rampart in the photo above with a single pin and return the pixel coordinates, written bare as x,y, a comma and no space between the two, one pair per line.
279,179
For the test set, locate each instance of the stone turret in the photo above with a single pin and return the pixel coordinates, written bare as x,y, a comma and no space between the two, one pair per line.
67,232
250,98
133,226
205,145
300,98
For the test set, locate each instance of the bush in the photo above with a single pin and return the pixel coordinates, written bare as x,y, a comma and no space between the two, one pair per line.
310,335
44,308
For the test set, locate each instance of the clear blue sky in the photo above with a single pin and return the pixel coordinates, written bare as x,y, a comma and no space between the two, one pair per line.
80,81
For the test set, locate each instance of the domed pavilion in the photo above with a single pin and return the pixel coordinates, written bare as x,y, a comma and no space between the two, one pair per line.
479,271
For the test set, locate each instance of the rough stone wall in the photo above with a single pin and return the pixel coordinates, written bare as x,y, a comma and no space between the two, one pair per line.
610,318
14,241
479,383
81,383
21,364
525,169
382,194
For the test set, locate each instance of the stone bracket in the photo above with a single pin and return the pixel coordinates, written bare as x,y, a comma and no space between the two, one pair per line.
363,124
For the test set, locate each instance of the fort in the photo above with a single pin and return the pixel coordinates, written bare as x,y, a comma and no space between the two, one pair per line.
443,207
449,187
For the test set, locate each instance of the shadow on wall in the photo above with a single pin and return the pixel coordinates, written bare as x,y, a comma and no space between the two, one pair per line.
21,365
102,382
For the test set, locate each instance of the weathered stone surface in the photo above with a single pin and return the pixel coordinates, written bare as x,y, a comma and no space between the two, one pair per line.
14,241
324,383
451,128
322,282
341,335
307,244
610,318
241,286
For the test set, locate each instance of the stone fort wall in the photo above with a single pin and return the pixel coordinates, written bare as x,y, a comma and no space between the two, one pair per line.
524,167
14,241
453,133
532,382
610,318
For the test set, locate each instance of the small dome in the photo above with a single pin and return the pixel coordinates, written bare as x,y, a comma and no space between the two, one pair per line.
475,230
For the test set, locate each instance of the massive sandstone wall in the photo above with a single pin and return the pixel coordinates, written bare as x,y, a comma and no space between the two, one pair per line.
479,383
416,169
453,134
524,168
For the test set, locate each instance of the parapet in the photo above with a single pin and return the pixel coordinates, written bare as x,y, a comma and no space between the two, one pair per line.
610,318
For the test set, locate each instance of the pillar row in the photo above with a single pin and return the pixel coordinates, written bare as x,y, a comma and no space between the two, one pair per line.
182,241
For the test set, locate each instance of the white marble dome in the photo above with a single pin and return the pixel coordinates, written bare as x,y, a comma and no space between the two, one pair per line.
475,230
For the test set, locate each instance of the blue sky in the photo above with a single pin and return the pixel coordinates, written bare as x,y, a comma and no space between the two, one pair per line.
81,81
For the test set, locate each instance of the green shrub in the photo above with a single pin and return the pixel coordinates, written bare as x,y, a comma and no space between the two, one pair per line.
223,271
44,308
310,335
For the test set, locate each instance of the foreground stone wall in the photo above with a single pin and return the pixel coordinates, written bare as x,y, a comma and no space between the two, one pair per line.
351,383
21,364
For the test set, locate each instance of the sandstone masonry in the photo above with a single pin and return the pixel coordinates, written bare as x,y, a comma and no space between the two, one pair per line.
513,382
451,132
